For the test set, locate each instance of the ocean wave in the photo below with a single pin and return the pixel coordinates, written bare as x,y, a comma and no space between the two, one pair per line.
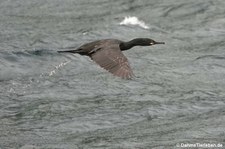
128,20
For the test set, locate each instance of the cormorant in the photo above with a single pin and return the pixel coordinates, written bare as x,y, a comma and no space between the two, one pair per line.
108,54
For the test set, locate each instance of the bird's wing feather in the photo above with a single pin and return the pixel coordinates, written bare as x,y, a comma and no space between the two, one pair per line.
113,60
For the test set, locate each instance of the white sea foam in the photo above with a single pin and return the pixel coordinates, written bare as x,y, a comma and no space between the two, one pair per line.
57,67
134,21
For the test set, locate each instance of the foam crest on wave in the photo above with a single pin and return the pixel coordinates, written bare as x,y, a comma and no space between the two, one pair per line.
132,20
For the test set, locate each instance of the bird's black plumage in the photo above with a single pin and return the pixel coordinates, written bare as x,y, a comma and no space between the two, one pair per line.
108,54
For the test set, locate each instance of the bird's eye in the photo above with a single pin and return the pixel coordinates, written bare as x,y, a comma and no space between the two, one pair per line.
151,43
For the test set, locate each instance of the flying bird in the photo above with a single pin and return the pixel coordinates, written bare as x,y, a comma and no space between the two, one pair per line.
108,54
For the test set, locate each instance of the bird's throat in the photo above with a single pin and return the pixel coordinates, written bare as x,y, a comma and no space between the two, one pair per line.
126,45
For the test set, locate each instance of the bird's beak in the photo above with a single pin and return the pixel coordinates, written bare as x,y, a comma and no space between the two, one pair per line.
159,42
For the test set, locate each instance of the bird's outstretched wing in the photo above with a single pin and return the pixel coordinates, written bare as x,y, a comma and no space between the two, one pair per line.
112,59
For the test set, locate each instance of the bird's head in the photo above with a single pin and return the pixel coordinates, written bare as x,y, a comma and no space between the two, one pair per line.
138,42
149,42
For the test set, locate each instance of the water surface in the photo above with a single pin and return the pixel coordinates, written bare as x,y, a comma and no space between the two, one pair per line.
51,100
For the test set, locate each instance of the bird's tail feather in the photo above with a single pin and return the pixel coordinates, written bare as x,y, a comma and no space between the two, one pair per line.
69,51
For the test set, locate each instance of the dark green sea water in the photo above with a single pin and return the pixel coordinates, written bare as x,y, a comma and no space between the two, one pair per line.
60,101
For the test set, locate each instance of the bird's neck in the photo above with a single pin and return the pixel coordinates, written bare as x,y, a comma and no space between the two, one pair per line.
127,45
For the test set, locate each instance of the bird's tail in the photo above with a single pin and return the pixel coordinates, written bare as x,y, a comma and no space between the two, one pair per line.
69,51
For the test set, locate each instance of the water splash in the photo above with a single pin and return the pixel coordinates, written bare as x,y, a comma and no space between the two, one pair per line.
134,21
57,67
